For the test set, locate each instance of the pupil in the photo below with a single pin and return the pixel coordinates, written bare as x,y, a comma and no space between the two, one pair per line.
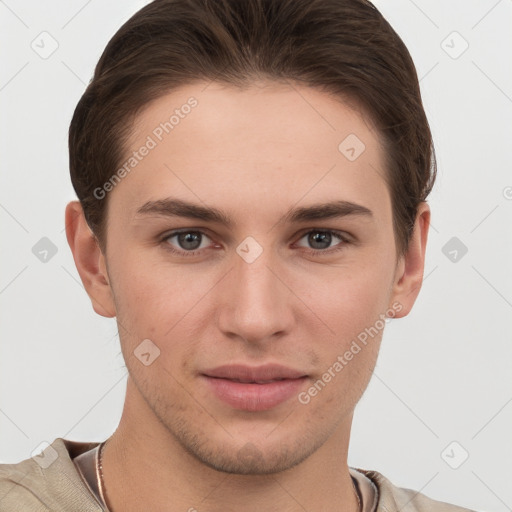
189,238
320,237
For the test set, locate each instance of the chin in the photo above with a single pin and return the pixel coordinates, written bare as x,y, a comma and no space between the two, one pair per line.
250,457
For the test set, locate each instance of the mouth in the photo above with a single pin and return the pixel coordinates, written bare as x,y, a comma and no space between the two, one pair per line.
250,374
245,381
254,388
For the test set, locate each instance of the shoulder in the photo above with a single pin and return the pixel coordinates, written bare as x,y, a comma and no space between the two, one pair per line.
16,482
46,482
394,499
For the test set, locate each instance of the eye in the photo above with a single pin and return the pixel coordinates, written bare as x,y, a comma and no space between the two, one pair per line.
192,242
321,239
189,242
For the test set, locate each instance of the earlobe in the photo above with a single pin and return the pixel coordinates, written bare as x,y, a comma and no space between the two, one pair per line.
409,273
89,260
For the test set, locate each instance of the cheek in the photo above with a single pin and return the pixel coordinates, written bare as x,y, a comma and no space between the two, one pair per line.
144,297
349,302
160,303
144,287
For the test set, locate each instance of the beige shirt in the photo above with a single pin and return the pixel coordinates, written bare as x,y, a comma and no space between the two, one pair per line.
53,482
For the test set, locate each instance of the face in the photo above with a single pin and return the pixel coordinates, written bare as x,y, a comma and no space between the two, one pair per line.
269,278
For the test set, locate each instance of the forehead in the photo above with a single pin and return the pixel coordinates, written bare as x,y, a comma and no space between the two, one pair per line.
266,143
269,113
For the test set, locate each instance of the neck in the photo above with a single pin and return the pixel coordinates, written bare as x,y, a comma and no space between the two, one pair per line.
145,467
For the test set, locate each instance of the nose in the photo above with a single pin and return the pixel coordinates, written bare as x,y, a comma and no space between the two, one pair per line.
256,304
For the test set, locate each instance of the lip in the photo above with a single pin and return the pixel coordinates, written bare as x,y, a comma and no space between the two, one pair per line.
248,388
254,373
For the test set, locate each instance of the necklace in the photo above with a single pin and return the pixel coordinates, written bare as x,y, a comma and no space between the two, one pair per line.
99,471
103,492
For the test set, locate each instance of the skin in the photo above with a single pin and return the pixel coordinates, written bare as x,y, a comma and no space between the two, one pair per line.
254,153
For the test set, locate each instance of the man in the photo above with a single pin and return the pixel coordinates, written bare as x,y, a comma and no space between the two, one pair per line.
252,180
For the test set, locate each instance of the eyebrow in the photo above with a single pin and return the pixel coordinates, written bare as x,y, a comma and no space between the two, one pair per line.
172,207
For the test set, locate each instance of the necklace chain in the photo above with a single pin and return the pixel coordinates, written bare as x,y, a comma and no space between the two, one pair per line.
103,492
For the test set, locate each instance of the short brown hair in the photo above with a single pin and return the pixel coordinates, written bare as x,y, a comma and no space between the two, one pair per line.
344,47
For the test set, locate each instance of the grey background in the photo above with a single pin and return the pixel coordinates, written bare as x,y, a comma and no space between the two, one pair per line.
444,372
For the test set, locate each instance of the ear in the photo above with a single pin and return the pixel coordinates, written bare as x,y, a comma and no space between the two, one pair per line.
89,260
409,271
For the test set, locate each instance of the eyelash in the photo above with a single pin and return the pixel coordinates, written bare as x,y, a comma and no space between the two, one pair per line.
313,252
